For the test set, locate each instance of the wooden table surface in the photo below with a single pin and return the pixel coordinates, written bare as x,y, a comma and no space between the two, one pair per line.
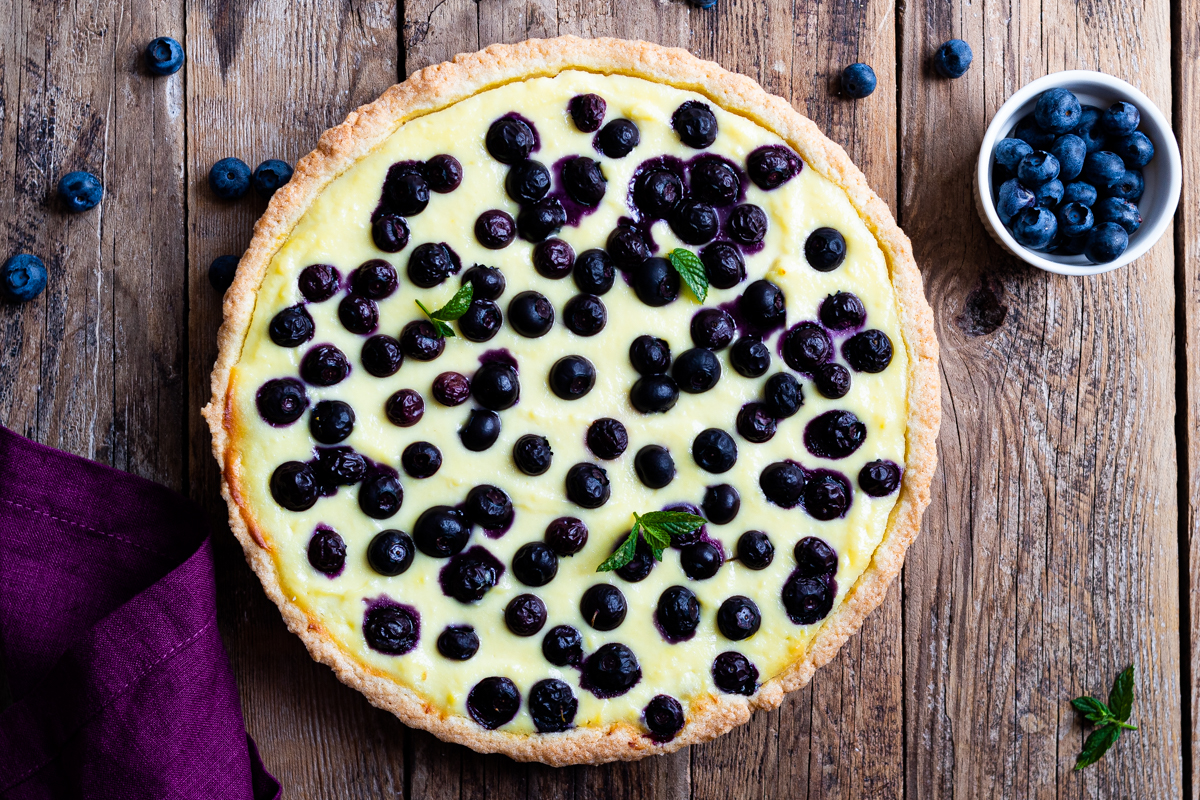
1063,541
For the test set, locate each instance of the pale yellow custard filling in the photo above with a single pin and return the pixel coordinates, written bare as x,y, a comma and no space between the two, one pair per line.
336,230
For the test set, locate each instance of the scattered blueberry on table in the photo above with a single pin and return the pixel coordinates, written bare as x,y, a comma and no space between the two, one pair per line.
229,178
164,56
953,59
858,81
1069,177
221,272
269,176
80,190
22,278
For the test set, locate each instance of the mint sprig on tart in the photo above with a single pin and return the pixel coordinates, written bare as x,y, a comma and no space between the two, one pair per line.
656,528
454,309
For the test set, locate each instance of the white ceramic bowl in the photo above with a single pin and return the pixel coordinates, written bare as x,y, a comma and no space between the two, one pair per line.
1163,175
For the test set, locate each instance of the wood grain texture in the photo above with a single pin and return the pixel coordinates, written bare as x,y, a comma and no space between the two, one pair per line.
1055,560
265,78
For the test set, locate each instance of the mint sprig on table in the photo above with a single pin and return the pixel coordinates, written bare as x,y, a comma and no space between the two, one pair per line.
691,269
657,528
457,306
1111,719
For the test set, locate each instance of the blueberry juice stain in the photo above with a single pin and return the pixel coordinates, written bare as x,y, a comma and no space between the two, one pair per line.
499,355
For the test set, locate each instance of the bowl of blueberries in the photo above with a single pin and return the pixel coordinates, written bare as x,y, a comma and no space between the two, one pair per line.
1078,174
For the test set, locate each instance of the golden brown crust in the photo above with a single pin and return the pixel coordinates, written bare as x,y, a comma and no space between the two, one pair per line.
443,85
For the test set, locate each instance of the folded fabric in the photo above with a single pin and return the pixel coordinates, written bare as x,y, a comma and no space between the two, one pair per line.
108,640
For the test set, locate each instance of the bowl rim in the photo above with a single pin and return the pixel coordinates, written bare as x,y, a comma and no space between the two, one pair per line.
1002,119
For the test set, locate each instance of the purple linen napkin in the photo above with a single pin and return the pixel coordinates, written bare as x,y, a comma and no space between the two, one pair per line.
109,641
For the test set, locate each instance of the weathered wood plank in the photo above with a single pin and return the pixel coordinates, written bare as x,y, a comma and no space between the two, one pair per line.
264,79
1052,562
95,365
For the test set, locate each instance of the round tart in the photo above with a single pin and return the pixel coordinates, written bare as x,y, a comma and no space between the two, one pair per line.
683,298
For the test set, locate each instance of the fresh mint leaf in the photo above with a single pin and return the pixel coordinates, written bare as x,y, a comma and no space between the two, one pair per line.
458,304
1097,745
623,554
1095,711
1120,699
691,269
656,528
1111,719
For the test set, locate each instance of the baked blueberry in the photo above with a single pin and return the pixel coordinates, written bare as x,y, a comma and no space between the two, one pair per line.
585,315
358,314
755,423
603,607
695,123
441,531
712,328
618,138
221,273
421,460
1129,186
444,173
451,389
1080,192
431,263
331,421
650,355
842,311
664,717
834,434
380,495
324,365
807,346
487,283
782,395
493,701
807,600
696,370
566,535
750,356
611,671
594,272
734,674
164,56
1074,219
1037,168
1057,111
763,305
1120,211
405,191
1013,198
1029,131
1120,119
654,466
404,408
627,247
723,265
584,182
858,81
747,225
481,322
489,507
338,466
291,327
458,642
826,495
656,193
715,181
553,259
319,282
572,377
391,552
879,478
587,486
754,550
390,232
532,454
814,557
495,229
382,356
496,386
825,249
700,560
953,59
552,705
1102,169
1135,149
656,282
327,552
607,438
1009,152
510,140
294,486
525,615
721,503
640,566
772,165
1070,151
468,576
527,182
229,179
562,646
481,430
531,314
80,191
587,111
391,629
694,222
678,613
535,564
654,394
738,618
868,351
832,381
783,483
1105,242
